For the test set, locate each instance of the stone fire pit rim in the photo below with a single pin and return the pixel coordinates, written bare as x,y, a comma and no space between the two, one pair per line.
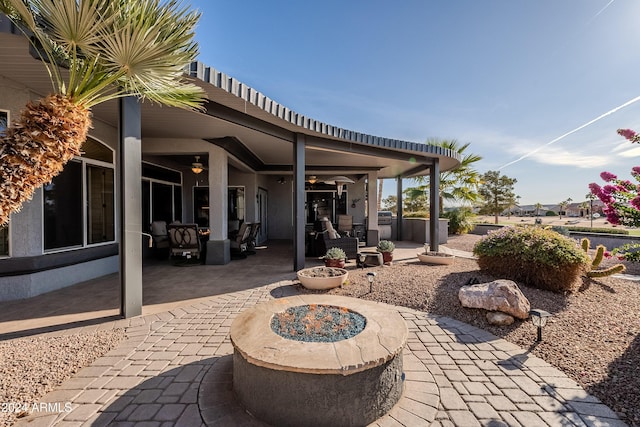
384,337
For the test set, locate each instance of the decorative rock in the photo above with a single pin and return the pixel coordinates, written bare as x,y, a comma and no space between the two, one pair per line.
499,319
499,295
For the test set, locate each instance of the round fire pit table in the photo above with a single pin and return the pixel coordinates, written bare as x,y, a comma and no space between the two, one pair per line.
288,382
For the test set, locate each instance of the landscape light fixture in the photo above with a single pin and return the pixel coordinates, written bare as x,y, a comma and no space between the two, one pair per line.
197,167
339,181
371,277
539,319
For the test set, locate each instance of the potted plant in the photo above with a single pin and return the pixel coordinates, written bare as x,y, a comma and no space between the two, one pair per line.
386,247
431,257
322,277
334,257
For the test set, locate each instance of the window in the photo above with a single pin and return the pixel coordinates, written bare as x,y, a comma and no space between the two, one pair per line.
4,241
4,230
100,209
79,203
4,120
161,194
324,204
63,208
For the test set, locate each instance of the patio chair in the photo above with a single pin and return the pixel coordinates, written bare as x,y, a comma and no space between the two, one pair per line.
251,244
345,225
329,238
159,239
184,241
240,243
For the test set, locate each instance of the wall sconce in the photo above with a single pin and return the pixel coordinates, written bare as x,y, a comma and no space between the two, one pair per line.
281,180
539,319
197,167
371,277
312,179
339,181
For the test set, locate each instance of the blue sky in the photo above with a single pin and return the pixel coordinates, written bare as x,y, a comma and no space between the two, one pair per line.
509,77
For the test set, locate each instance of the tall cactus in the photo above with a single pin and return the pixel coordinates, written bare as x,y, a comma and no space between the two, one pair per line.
597,259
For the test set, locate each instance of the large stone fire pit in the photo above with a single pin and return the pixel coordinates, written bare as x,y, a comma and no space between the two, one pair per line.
288,382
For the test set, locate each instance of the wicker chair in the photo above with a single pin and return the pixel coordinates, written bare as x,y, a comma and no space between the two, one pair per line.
184,240
328,240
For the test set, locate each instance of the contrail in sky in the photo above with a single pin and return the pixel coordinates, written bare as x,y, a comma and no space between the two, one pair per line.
590,122
601,10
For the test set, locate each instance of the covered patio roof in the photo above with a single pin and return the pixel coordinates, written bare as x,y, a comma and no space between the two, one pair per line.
256,130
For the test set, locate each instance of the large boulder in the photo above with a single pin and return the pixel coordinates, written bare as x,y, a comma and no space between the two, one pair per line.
499,295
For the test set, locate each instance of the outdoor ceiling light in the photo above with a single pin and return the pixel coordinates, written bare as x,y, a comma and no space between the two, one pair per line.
313,179
197,167
339,181
539,319
371,277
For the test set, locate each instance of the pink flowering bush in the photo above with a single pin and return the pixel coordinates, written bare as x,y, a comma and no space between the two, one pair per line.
622,202
631,135
621,198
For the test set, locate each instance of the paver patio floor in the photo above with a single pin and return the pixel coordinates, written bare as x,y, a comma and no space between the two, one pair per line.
175,366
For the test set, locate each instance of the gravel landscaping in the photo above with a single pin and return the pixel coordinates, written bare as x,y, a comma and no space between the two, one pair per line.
593,336
33,366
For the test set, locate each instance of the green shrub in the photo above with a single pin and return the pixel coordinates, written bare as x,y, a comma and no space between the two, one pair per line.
536,256
416,214
598,230
550,213
460,220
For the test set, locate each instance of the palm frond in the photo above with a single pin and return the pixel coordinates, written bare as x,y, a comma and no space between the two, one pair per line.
115,48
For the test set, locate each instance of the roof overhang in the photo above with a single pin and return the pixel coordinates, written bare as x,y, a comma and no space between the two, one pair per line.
255,129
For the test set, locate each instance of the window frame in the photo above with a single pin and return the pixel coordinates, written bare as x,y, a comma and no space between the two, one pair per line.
84,161
8,254
173,184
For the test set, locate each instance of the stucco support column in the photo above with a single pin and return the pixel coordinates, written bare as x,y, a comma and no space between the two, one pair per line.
373,233
399,215
434,205
130,193
218,246
298,202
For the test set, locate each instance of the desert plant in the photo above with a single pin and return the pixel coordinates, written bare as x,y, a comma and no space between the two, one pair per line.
94,51
460,220
597,259
533,255
385,246
335,253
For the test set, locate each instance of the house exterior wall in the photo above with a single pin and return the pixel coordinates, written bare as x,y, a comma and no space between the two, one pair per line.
280,208
26,228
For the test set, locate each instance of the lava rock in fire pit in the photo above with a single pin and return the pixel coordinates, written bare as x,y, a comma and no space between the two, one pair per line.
318,323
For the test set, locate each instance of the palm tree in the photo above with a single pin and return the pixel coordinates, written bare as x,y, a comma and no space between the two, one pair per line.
538,206
460,183
563,206
94,51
